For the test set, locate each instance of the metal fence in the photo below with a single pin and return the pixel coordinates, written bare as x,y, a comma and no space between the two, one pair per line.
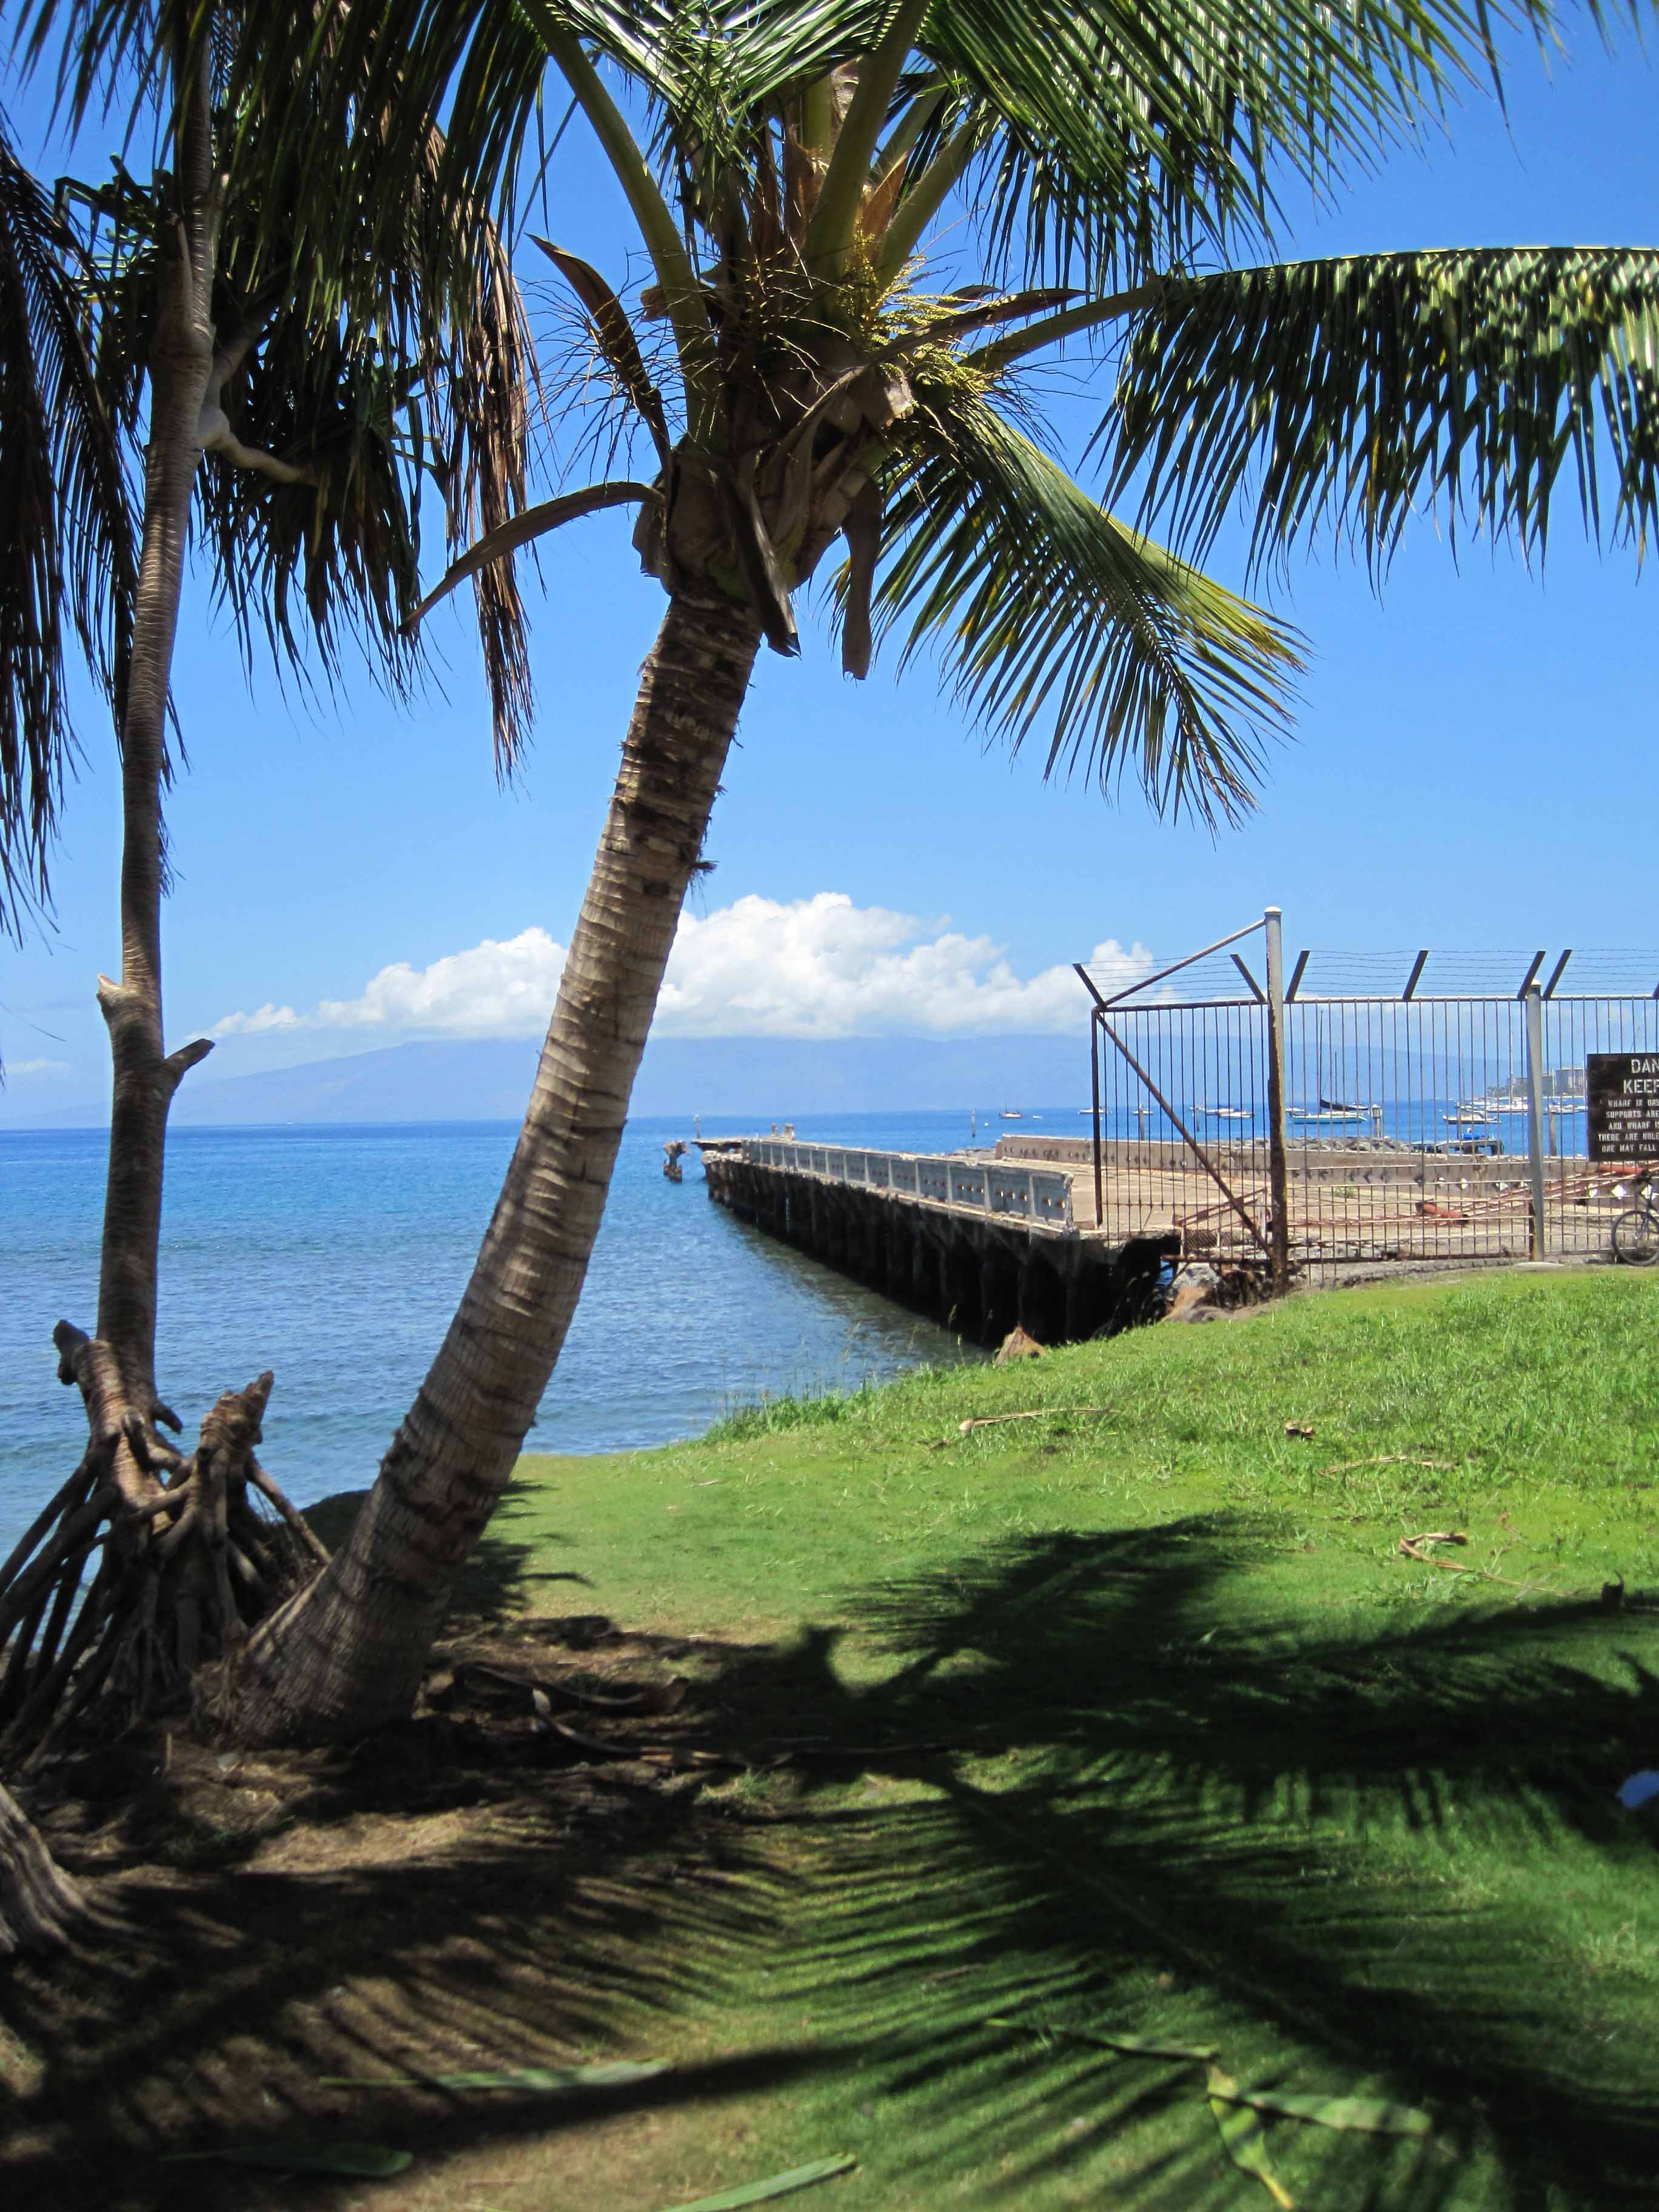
1418,1105
1042,1195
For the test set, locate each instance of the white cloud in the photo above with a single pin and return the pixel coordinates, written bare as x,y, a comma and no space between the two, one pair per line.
267,1016
821,967
36,1067
817,967
503,988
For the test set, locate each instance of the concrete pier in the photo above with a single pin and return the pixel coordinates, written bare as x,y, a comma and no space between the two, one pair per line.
978,1245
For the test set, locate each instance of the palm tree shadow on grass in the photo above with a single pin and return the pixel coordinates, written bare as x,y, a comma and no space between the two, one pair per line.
225,2003
221,1996
500,1581
1334,1855
1330,1854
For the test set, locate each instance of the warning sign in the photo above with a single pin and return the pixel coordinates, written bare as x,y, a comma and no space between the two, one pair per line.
1624,1105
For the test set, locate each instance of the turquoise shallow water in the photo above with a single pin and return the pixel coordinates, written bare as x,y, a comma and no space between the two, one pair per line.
335,1255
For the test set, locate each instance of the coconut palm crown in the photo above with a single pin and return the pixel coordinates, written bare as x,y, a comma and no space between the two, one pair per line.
797,170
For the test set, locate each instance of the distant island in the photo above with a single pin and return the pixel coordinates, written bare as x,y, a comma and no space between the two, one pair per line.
771,1079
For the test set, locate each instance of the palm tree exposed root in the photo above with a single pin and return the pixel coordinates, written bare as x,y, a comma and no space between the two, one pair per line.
38,1903
190,1552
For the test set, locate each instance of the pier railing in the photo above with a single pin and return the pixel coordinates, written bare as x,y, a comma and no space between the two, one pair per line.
997,1188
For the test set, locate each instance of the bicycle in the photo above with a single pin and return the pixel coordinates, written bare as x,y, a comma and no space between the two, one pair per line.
1636,1233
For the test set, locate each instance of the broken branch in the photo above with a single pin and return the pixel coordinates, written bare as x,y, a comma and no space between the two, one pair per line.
1391,1459
1037,1414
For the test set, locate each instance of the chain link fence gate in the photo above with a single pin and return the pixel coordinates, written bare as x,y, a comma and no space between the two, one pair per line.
1418,1106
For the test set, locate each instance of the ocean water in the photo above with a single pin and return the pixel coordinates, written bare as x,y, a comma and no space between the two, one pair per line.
335,1255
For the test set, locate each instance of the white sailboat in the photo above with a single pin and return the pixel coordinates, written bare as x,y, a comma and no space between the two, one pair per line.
1331,1109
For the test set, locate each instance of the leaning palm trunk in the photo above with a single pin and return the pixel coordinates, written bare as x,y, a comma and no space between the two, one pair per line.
348,1650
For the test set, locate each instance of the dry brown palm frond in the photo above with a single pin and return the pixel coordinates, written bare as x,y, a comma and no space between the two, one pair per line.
583,405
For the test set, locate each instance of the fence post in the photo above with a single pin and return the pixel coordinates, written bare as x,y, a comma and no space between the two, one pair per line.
1277,1172
1094,1086
1536,1111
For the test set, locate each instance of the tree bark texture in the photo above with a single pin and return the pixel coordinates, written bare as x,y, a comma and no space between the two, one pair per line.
348,1651
38,1901
144,1076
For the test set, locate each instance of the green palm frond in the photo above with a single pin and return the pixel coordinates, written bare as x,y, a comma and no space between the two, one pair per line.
1049,614
1345,395
301,562
107,54
1115,140
1106,141
418,317
66,530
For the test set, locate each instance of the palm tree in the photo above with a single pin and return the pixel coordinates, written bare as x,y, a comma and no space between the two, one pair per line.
799,386
295,410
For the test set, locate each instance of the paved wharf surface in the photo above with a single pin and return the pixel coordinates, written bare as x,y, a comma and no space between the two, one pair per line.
1346,1202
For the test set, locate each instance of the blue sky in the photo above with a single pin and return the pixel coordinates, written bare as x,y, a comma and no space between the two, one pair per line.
1475,752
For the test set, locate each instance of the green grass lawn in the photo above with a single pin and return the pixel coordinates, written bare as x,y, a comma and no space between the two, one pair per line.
1151,1729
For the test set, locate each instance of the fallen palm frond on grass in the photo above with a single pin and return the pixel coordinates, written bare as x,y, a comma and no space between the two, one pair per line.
1238,2112
776,2184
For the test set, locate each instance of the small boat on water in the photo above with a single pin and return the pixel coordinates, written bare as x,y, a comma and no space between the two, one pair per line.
1011,1114
1330,1109
1223,1113
1567,1105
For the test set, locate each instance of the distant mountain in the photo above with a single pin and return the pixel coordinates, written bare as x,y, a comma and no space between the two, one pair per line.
766,1079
